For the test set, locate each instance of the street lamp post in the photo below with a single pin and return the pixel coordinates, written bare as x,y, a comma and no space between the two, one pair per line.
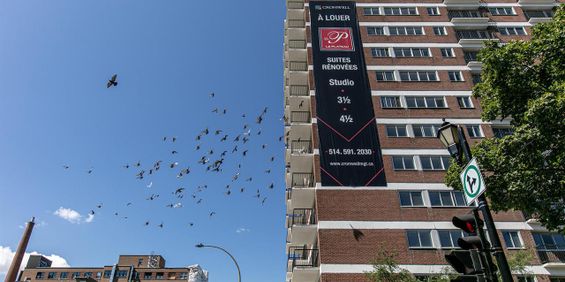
453,138
201,245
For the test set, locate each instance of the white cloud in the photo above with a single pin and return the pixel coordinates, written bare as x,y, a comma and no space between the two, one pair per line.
73,216
6,256
242,230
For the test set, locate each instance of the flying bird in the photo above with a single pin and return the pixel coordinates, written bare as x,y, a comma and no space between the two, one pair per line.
357,234
112,81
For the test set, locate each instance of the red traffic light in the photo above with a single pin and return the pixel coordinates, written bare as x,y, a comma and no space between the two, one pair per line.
467,223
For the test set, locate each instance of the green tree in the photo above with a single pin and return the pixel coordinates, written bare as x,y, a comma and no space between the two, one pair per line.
525,81
385,269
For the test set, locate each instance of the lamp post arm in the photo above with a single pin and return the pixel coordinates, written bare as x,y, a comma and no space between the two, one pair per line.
232,257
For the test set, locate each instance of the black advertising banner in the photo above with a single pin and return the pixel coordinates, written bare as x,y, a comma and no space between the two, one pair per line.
350,153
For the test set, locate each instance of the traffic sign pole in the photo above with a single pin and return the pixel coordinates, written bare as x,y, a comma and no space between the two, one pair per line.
489,222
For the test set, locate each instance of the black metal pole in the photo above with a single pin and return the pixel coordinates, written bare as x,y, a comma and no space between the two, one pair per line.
228,253
489,222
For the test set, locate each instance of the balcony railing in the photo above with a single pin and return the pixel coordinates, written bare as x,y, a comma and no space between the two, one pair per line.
301,146
474,34
295,23
295,5
302,257
548,256
538,14
302,180
300,116
297,44
297,66
471,57
299,90
302,217
288,193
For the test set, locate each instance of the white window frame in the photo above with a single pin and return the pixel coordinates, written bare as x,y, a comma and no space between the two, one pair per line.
372,9
400,11
474,135
412,205
374,52
449,51
520,241
505,30
405,158
426,102
465,102
405,30
419,76
455,76
436,10
498,9
396,126
453,199
454,244
442,28
376,28
419,232
385,76
385,102
441,159
419,128
404,51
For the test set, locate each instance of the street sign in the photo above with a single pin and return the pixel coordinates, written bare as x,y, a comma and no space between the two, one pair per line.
473,182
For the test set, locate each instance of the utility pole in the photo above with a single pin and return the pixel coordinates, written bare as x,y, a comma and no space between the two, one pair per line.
12,274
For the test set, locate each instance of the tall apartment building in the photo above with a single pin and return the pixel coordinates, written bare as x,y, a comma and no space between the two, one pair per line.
128,268
366,85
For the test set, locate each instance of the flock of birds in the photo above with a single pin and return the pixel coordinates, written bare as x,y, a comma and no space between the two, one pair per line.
232,146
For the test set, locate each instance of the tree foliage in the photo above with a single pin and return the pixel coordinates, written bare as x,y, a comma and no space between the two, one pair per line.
385,269
525,82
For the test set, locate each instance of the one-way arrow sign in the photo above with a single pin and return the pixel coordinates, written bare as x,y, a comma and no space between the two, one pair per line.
472,180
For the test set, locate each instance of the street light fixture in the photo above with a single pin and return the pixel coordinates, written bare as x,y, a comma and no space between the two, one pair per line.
448,134
201,245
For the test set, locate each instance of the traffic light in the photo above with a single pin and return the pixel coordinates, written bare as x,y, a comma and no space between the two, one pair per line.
465,262
472,225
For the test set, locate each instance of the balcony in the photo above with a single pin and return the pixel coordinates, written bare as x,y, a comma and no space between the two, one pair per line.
297,66
301,216
298,90
302,179
549,256
461,3
468,19
300,116
294,5
303,265
538,16
474,39
301,146
295,18
472,61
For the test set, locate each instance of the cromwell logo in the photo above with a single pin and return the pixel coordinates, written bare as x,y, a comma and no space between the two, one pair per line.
336,39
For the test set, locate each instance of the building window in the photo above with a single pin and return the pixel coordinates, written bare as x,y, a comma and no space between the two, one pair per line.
39,275
172,275
528,279
455,76
549,241
107,273
75,275
396,130
411,52
390,102
64,275
371,11
139,262
500,132
435,162
406,30
121,273
160,276
447,199
425,102
385,75
447,52
51,275
419,238
433,11
418,76
512,239
403,163
400,11
538,14
183,275
502,11
465,102
98,275
448,238
411,199
476,78
512,30
426,130
380,52
471,56
439,30
375,30
147,275
464,14
473,34
474,131
88,274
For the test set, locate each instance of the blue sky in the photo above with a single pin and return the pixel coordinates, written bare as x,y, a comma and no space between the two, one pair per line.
55,110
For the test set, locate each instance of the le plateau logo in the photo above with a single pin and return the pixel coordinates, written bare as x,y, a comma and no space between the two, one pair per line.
336,39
